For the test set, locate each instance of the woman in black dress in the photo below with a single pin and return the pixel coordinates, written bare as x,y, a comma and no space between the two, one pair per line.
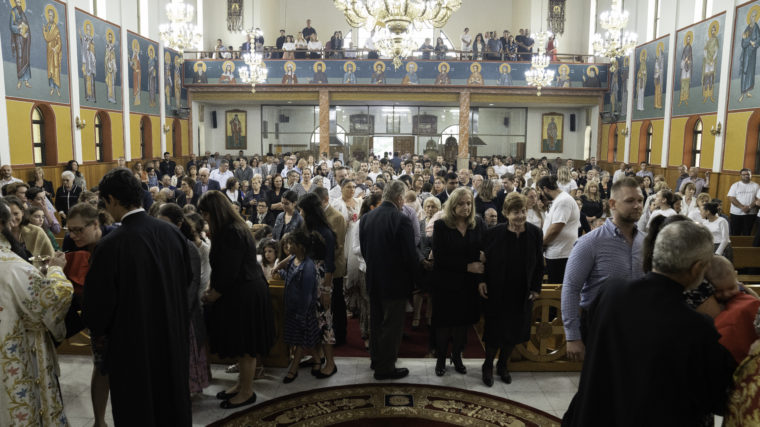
238,311
509,292
289,219
458,268
275,195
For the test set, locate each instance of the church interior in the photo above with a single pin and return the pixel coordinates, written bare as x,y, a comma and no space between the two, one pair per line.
100,81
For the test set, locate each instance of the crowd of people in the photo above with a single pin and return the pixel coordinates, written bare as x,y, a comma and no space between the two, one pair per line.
483,46
167,262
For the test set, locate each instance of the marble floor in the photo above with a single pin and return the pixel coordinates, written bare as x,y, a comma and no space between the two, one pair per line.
547,391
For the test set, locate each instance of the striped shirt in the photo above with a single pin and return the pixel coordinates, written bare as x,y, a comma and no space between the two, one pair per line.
597,256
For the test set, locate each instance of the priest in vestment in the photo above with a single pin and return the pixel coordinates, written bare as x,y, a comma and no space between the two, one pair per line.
135,302
54,53
32,311
650,358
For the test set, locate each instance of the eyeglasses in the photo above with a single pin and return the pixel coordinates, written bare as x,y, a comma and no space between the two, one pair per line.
79,230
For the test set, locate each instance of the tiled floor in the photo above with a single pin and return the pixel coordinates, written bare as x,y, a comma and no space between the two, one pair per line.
548,391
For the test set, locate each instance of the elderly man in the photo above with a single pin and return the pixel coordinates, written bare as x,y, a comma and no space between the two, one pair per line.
203,185
701,184
340,174
222,174
651,359
464,178
6,176
683,173
612,250
491,217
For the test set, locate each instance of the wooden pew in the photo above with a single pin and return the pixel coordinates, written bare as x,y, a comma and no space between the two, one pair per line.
746,257
742,241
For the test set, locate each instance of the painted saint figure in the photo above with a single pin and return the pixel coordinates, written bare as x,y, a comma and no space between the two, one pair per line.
134,63
320,77
593,77
349,77
505,75
641,80
177,82
200,75
709,63
551,135
687,59
624,86
236,130
152,75
290,78
411,75
228,76
475,78
563,77
659,75
110,65
443,78
52,36
750,42
21,42
89,63
378,77
168,78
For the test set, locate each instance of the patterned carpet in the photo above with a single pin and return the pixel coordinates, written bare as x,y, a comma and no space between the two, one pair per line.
389,404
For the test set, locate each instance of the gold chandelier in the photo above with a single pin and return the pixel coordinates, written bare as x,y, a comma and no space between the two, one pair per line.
255,72
538,75
180,33
395,19
615,42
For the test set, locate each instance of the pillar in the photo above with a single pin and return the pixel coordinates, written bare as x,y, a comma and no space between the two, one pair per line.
324,121
126,95
725,76
76,139
161,99
463,157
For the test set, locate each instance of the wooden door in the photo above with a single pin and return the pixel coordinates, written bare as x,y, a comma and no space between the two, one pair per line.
403,145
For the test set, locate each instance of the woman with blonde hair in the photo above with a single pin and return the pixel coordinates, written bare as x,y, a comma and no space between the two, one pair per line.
592,205
485,198
696,214
534,213
458,268
565,181
689,201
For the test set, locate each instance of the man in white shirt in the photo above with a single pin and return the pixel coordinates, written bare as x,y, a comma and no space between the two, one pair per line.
340,174
287,168
743,196
375,170
620,173
6,176
222,174
499,167
560,228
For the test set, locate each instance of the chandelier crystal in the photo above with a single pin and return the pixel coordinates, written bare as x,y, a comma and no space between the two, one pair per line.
615,41
255,72
180,33
395,19
538,75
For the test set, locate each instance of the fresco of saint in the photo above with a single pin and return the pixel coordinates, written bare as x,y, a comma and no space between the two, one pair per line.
134,63
152,76
110,65
659,75
52,36
687,60
177,82
750,43
89,63
21,42
443,78
641,80
710,62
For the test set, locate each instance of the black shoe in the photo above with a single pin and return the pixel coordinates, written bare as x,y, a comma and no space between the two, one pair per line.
309,362
228,405
372,365
488,374
321,376
223,395
456,359
504,374
392,375
440,366
290,377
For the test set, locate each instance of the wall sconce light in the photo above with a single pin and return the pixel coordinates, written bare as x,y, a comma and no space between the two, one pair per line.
715,130
167,129
624,131
79,123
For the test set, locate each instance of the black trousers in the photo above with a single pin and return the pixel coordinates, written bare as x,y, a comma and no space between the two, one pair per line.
458,337
386,318
741,225
555,269
338,306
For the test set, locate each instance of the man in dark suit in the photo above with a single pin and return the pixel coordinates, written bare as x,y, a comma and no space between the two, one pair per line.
387,245
166,166
263,215
136,308
452,182
203,185
279,43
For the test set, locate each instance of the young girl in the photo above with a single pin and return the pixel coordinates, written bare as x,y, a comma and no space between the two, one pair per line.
269,249
36,216
299,271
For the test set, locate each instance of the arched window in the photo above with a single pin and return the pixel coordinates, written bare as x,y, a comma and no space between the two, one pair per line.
648,155
98,138
696,144
38,136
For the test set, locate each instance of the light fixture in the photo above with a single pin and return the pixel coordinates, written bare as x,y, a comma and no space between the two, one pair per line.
394,20
624,131
538,75
715,130
255,72
79,123
615,42
166,128
180,33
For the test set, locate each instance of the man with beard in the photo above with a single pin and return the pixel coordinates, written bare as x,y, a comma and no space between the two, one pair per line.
652,360
612,250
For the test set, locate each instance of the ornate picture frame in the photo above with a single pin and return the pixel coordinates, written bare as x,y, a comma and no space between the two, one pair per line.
552,132
236,130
